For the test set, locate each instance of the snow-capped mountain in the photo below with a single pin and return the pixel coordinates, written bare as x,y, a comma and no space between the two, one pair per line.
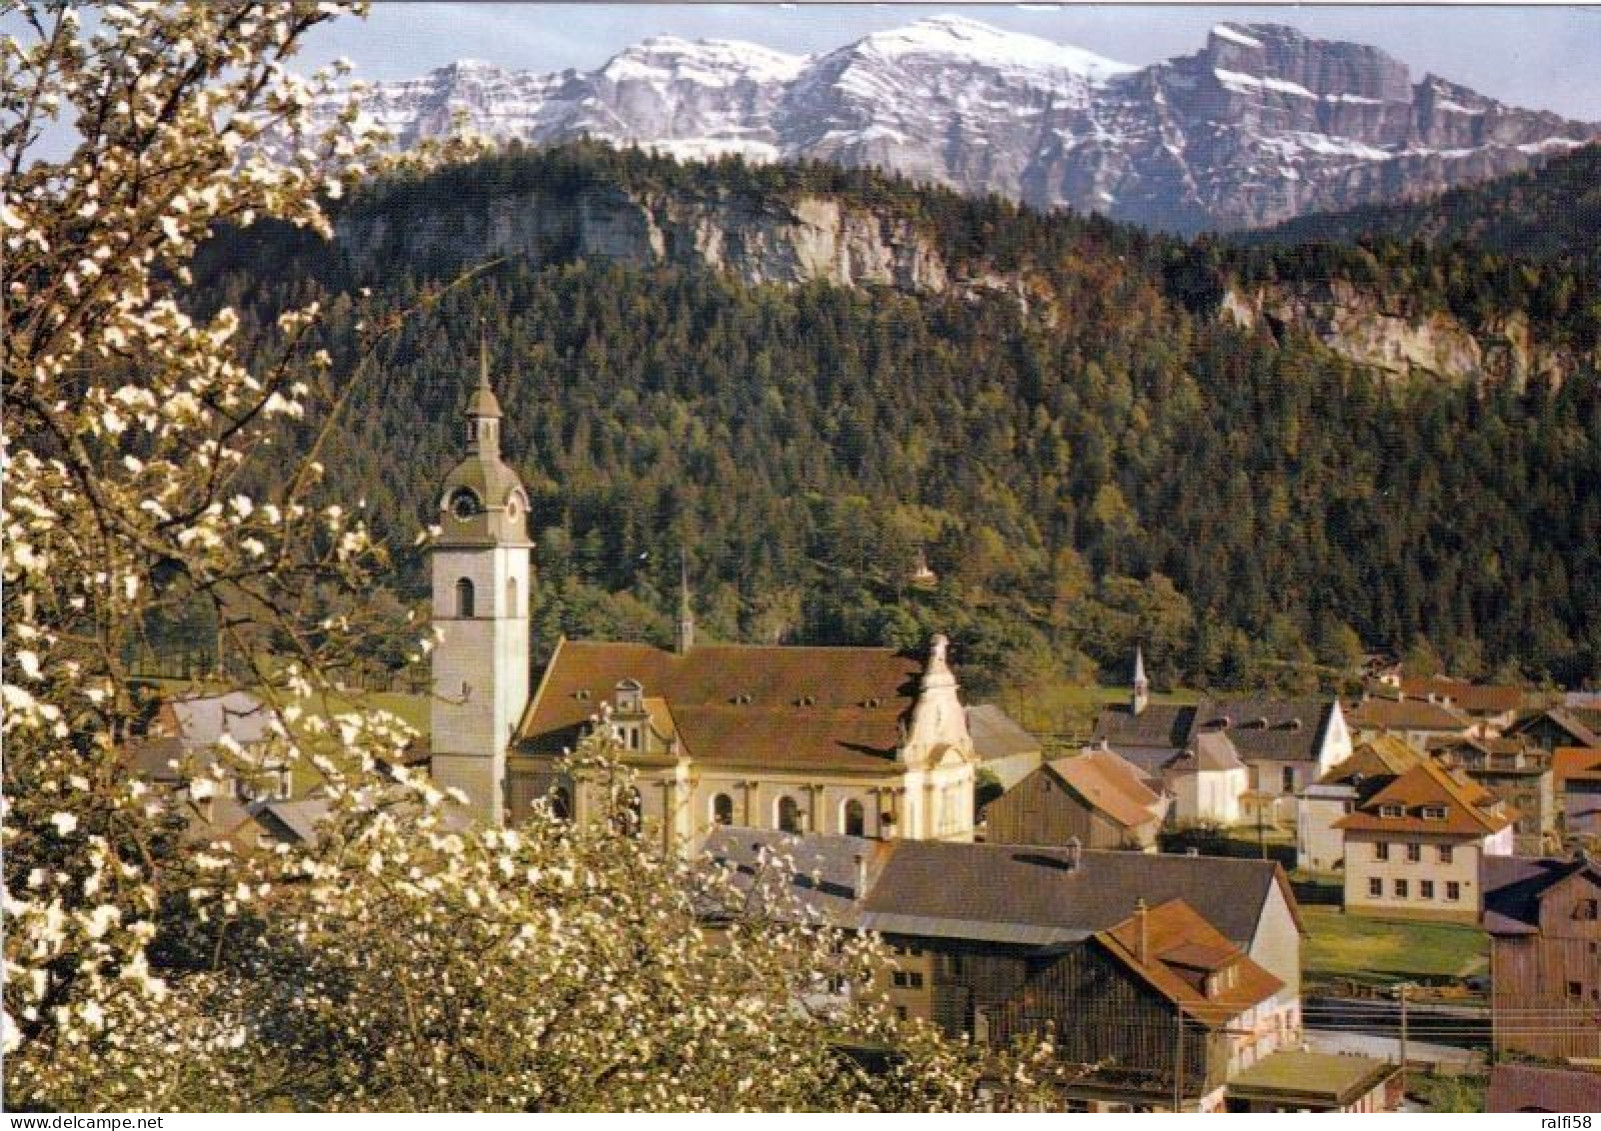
1261,125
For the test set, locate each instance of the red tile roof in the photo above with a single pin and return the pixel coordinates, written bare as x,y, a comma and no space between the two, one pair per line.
1477,697
1466,803
1575,763
1176,936
1110,784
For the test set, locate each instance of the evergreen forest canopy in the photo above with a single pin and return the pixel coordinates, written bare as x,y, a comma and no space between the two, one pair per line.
1113,465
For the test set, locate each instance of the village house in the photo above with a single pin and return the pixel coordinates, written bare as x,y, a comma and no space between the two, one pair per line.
1413,848
1490,707
1094,798
1416,721
1319,845
995,941
1207,781
208,755
1285,743
1562,726
1544,921
1520,774
1576,787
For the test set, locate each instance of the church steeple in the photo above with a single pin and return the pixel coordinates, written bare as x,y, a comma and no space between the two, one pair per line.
684,631
483,408
1142,688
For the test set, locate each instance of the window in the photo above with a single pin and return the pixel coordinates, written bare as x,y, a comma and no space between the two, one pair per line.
1381,850
1453,890
1414,853
899,979
900,1013
788,815
1392,810
1447,853
1375,887
1434,812
630,817
1575,991
722,809
464,598
1401,891
855,822
914,979
1425,889
1289,779
561,803
1585,909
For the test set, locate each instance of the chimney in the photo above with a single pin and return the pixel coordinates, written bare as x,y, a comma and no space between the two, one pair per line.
861,876
1144,929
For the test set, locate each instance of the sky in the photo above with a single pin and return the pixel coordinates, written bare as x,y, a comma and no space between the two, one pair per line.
1541,57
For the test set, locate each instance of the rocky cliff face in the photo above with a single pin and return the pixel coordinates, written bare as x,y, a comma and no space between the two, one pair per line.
1261,125
1398,342
812,240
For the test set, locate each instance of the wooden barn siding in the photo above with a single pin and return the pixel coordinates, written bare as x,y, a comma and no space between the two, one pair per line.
1533,1012
1097,1012
1030,814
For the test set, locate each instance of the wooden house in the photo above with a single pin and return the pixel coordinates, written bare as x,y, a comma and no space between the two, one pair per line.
1095,799
1544,921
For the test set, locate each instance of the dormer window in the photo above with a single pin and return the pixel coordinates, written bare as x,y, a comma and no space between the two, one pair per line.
1434,812
1392,810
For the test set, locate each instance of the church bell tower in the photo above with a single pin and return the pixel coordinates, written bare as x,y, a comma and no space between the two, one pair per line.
481,591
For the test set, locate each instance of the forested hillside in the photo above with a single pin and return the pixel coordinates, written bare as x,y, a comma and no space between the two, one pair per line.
1550,213
1087,455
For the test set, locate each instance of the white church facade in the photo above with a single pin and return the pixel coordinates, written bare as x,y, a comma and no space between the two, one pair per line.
861,741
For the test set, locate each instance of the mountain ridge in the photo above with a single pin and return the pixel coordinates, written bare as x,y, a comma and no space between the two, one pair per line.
1260,125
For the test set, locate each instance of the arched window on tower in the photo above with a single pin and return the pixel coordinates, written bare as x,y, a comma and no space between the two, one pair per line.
511,596
723,809
464,597
855,822
561,803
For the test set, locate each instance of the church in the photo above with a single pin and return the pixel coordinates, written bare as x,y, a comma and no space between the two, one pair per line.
857,741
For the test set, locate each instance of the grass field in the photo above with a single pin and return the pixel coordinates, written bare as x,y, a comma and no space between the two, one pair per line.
1351,946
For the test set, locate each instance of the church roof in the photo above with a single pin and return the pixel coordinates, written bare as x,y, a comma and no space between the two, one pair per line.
1289,730
805,708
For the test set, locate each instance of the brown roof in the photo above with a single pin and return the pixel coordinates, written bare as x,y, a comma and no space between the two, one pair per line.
1405,714
1477,697
1173,933
1384,756
1514,887
743,705
1575,763
1582,725
1466,805
1036,895
1110,785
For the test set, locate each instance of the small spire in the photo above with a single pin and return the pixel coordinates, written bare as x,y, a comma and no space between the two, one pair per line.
483,354
1142,687
684,634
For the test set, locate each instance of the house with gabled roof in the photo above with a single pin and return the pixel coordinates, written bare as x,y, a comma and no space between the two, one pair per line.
1163,1005
1413,848
1416,720
1208,780
1093,797
1576,788
1319,845
1543,916
1286,743
1562,726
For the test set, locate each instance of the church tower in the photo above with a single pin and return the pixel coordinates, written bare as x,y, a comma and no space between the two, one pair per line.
481,592
1142,688
684,630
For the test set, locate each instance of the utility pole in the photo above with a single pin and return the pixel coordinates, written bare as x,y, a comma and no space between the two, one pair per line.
1402,989
1178,1063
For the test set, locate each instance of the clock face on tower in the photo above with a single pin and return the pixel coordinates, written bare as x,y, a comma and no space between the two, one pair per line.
464,504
